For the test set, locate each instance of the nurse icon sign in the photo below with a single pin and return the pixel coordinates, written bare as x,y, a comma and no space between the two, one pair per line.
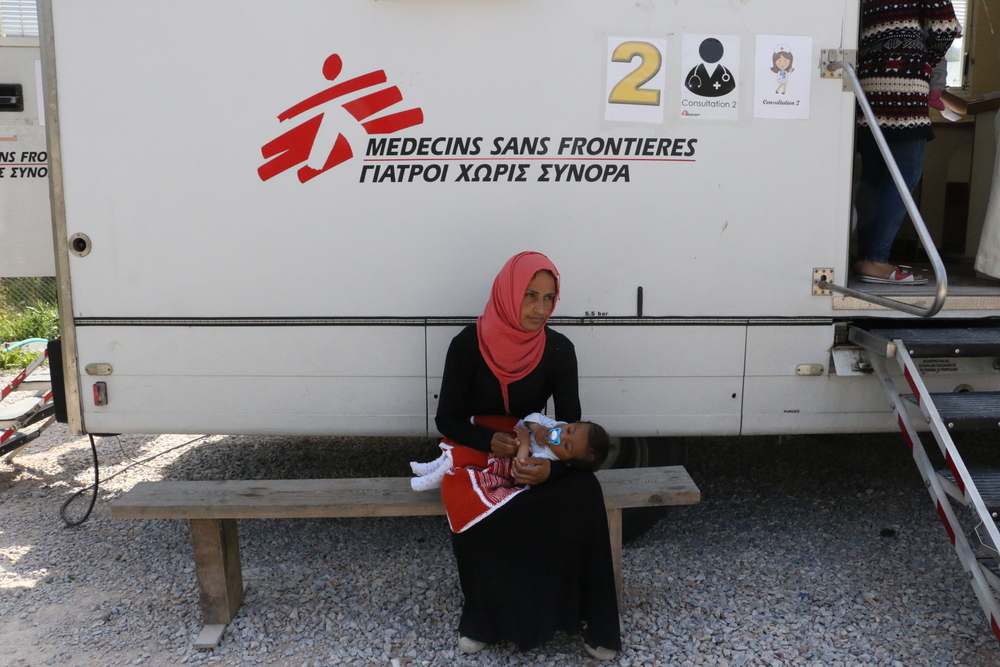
709,78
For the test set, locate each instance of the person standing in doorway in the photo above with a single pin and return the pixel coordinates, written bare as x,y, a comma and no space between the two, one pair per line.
900,43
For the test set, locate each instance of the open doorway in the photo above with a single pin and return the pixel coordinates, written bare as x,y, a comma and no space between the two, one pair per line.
958,164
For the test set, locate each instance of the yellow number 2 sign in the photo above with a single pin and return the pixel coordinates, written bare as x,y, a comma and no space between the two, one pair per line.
636,80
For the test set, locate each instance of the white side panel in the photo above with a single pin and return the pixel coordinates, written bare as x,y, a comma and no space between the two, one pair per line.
780,401
25,222
255,405
438,340
775,351
295,380
663,406
659,351
826,404
183,225
661,380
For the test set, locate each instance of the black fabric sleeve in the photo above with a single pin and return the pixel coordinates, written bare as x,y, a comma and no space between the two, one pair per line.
454,407
566,384
557,470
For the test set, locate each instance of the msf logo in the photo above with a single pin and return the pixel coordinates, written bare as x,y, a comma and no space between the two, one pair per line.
295,146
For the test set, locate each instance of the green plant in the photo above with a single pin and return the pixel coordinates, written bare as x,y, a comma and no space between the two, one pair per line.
39,321
15,359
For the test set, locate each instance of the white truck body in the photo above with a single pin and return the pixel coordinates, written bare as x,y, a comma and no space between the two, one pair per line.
240,272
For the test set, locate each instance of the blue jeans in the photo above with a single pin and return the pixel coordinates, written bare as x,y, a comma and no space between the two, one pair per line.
880,208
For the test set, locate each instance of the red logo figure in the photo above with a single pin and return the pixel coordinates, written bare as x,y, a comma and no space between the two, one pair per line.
294,147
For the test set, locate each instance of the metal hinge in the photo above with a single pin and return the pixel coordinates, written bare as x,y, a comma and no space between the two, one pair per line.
829,56
822,275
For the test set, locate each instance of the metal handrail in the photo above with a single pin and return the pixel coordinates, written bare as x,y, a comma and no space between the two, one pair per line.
939,271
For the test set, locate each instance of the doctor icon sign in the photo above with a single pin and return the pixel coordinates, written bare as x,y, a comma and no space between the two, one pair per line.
705,80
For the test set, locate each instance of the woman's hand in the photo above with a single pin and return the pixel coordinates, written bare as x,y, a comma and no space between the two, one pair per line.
503,445
531,471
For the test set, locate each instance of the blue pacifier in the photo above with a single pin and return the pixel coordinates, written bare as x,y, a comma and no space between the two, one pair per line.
555,436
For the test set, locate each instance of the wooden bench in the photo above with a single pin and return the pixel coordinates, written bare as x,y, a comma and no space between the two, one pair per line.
212,507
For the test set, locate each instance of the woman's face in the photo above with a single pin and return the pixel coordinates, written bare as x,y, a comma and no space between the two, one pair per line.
539,300
782,62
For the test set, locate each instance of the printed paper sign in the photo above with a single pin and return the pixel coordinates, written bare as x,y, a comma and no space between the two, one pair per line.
636,79
709,66
782,68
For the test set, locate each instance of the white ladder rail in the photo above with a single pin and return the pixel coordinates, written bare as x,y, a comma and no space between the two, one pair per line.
980,584
19,423
947,446
10,428
20,377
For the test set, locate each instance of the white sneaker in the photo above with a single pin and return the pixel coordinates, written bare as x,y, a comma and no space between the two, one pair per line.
421,469
600,652
431,481
470,646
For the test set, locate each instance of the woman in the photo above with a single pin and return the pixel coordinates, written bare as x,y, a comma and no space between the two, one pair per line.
542,563
901,42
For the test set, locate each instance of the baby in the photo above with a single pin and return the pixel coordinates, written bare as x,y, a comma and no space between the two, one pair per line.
580,444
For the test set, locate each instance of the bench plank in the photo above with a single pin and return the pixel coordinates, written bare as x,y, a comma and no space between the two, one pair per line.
648,487
361,497
276,499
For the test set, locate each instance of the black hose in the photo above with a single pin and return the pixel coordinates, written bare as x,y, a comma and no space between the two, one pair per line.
62,510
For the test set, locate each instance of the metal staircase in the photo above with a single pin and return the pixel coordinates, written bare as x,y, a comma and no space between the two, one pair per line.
17,416
944,413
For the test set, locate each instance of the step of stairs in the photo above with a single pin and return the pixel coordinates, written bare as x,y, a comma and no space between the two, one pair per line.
987,481
966,342
967,411
11,414
40,380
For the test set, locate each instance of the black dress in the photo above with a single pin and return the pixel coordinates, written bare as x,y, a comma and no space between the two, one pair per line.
542,563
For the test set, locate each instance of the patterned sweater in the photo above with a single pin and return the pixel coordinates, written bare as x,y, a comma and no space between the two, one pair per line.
900,42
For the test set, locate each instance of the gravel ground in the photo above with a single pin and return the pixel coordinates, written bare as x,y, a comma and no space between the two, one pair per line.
805,550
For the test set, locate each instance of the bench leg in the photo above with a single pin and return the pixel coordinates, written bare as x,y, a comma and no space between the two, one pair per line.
615,528
217,564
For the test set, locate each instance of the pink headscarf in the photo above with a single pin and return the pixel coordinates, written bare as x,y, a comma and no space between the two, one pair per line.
510,351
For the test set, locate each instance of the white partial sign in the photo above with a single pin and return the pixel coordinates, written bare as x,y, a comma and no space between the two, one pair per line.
782,67
636,79
710,65
25,222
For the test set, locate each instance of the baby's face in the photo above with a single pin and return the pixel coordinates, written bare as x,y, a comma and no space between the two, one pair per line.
574,443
